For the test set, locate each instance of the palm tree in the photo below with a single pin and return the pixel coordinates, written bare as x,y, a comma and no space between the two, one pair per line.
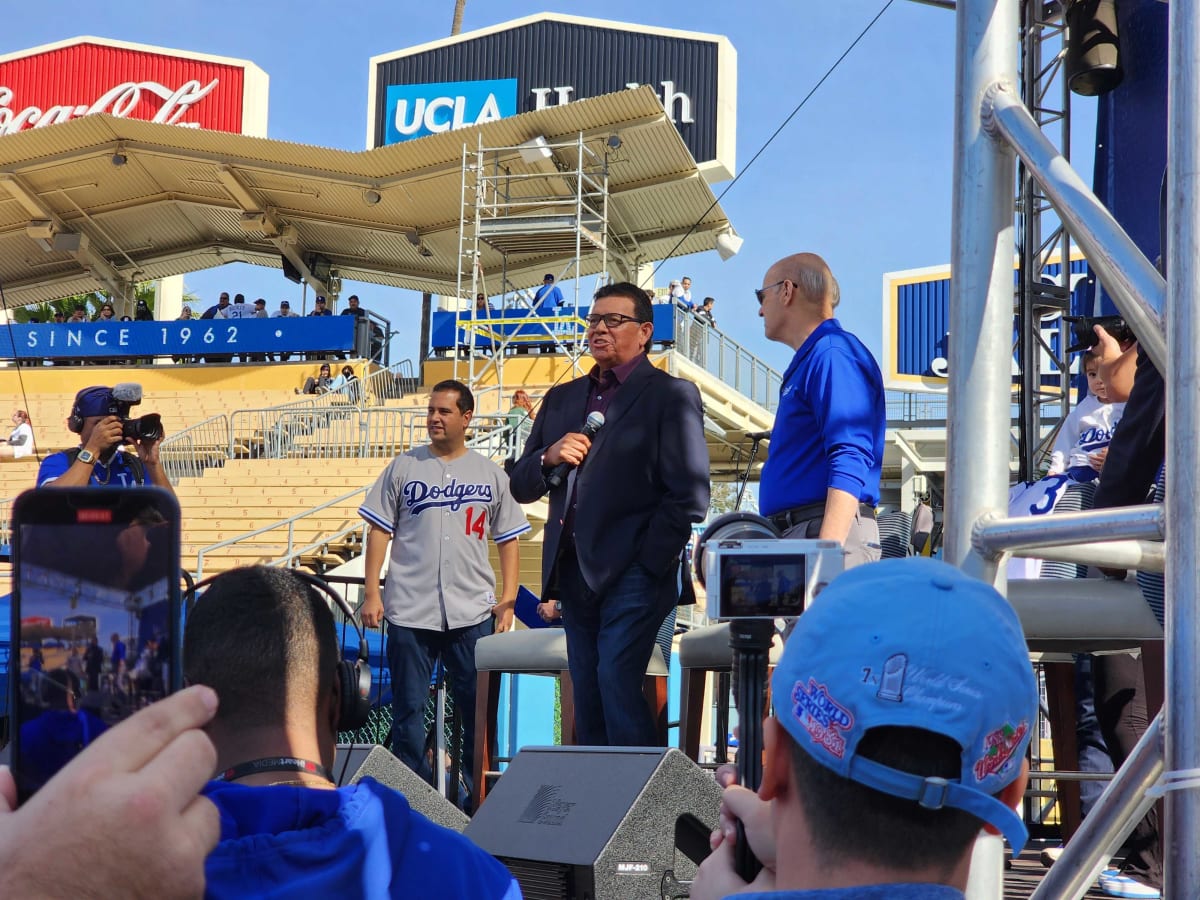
91,302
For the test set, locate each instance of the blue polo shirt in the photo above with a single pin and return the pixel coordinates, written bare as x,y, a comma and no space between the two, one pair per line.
829,428
547,298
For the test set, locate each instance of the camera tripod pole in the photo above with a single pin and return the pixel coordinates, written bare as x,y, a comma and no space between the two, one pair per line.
750,640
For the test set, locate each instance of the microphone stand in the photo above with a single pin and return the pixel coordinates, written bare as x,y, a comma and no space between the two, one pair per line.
750,640
749,467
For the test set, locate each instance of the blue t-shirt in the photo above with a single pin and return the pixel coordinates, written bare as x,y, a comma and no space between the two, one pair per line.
117,473
830,424
898,891
359,841
547,298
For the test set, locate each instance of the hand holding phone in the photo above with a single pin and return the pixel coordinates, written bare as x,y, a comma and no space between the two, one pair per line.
96,623
124,817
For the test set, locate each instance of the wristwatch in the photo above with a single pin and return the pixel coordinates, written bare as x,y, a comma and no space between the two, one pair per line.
87,457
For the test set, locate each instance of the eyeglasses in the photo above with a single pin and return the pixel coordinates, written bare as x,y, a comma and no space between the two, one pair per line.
761,293
610,320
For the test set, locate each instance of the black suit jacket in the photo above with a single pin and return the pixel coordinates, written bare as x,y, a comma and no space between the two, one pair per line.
643,484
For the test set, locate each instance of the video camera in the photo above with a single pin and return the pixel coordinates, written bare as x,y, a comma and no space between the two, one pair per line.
749,572
1082,329
125,396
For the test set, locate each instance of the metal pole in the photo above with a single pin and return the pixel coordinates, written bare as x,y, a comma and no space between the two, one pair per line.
1119,809
1145,556
1135,285
1182,377
981,291
993,535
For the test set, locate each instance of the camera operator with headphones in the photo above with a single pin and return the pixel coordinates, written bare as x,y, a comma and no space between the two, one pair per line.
100,416
266,641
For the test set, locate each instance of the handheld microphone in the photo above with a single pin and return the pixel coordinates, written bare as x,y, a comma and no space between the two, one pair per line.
595,421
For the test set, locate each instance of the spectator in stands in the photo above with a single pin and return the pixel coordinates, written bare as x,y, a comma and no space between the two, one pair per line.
548,297
99,459
142,311
353,308
185,314
217,311
705,312
347,384
106,313
125,812
20,440
681,293
320,308
238,309
58,317
285,312
520,422
260,309
266,641
78,314
891,745
321,384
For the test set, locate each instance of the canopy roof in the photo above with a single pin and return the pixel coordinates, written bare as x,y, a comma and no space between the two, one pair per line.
100,202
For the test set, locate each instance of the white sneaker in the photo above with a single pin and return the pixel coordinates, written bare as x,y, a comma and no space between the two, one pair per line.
1117,885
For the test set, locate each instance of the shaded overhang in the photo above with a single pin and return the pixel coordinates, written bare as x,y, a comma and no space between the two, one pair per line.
99,202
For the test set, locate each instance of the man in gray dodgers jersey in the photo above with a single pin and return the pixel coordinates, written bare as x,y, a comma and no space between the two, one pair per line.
436,504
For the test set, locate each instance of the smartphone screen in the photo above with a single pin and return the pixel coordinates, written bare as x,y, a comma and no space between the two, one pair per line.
95,618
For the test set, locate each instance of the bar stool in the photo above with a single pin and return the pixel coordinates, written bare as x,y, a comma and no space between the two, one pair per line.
703,651
540,651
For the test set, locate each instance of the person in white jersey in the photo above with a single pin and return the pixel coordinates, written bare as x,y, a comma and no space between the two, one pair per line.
437,504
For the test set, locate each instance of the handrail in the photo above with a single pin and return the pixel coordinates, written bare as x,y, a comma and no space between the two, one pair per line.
720,355
290,522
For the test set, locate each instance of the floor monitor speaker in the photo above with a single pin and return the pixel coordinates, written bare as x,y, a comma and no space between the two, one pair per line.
599,823
357,761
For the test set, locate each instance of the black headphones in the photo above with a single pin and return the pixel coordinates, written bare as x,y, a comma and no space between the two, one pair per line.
75,420
354,678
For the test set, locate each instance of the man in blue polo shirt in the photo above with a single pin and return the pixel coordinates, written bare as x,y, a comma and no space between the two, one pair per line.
96,417
821,477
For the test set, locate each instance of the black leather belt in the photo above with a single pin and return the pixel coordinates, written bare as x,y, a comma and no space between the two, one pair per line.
789,518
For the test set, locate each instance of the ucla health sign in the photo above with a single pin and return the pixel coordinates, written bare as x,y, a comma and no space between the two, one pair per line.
548,60
415,110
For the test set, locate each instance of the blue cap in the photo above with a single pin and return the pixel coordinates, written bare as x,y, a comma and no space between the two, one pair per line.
913,643
93,401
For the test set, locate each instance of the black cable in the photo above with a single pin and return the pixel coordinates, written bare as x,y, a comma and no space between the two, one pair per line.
8,324
774,135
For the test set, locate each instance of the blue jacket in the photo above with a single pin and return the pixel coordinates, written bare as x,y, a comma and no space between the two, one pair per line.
359,841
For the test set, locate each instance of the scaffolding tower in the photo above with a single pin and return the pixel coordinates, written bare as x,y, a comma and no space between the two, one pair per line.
1042,240
535,199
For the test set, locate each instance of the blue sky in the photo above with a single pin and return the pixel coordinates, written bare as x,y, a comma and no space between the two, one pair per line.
862,175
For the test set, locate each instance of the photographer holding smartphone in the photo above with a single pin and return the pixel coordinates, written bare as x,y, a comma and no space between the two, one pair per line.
100,416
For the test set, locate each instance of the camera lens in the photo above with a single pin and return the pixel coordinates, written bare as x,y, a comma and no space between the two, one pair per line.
144,428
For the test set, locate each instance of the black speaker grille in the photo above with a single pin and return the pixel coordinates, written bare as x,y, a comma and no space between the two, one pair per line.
544,880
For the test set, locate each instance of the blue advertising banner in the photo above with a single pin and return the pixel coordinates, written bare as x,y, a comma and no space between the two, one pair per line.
521,326
192,337
916,325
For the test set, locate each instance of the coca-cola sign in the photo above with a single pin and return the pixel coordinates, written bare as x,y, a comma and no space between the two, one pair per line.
82,77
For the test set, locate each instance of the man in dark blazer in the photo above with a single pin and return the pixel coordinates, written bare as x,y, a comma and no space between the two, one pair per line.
619,521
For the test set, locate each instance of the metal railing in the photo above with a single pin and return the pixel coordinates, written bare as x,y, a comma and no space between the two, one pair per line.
390,383
201,446
718,354
290,550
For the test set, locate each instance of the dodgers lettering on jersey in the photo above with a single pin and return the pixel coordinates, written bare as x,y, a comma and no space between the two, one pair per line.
419,496
440,514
